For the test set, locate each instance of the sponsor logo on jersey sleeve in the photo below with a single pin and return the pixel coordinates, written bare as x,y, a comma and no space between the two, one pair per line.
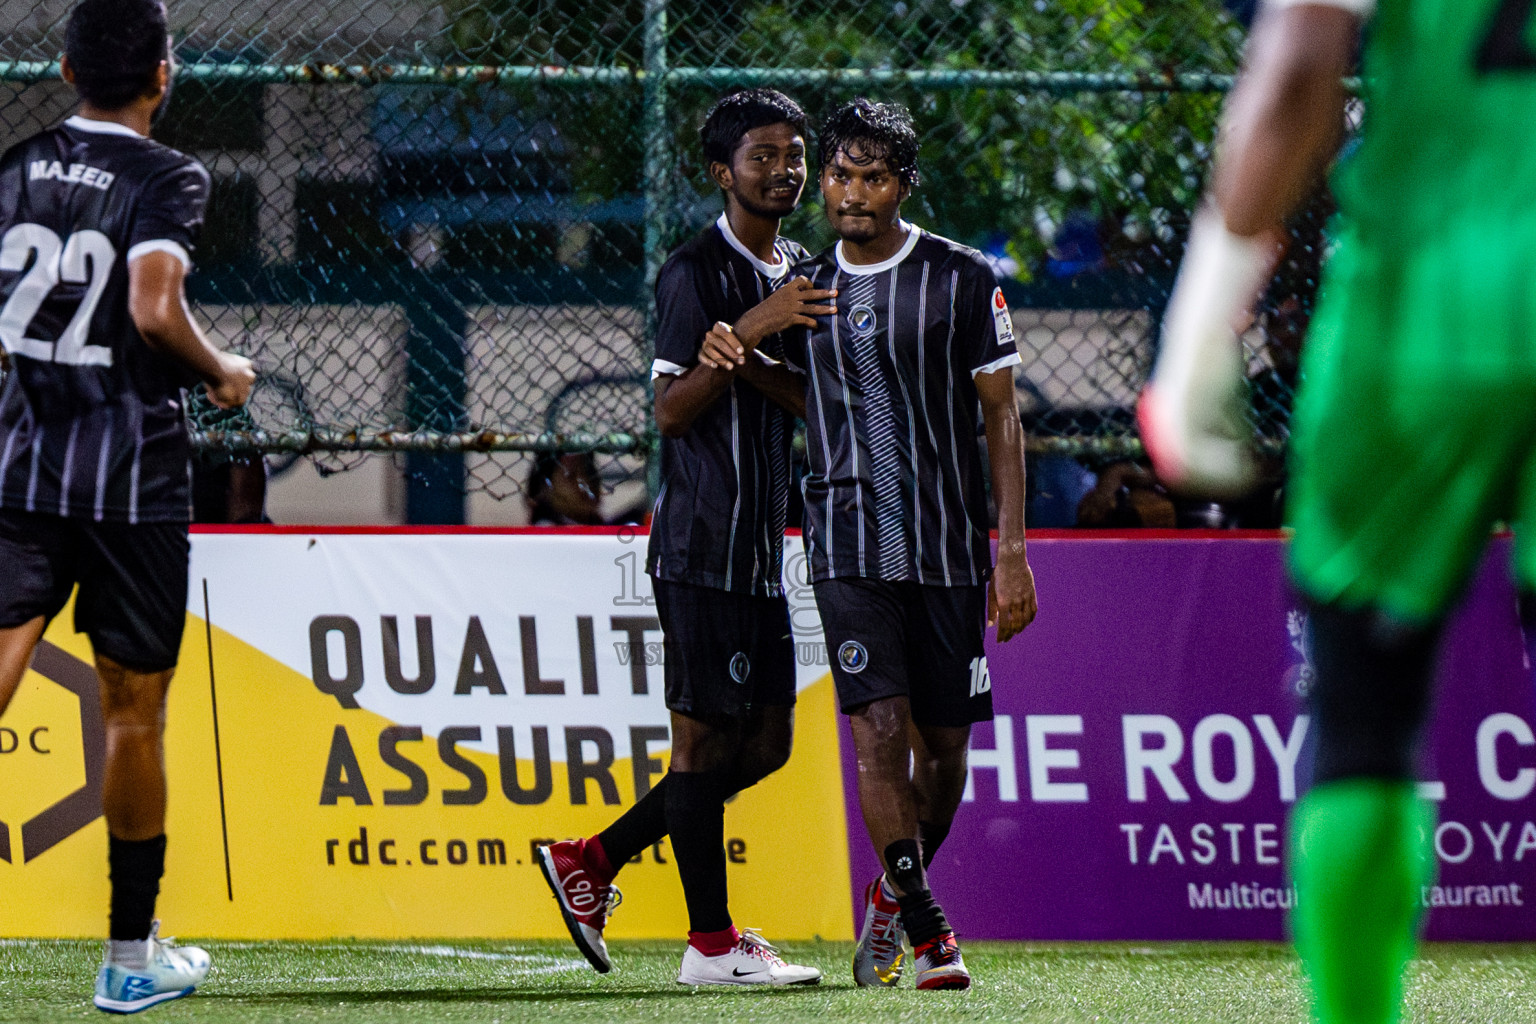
1000,318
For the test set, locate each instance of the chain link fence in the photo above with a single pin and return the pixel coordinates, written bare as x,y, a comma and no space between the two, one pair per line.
433,224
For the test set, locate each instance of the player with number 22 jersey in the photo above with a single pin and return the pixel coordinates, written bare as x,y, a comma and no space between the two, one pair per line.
91,417
97,227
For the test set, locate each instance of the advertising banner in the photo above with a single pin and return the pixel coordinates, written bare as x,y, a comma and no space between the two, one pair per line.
368,732
1151,740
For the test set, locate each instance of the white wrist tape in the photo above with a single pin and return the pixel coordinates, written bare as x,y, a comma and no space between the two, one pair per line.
1362,8
1217,286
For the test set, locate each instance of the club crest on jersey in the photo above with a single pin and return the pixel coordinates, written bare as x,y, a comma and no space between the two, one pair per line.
861,320
853,657
741,667
1000,318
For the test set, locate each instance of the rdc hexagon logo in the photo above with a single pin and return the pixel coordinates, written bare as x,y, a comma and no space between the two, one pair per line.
52,823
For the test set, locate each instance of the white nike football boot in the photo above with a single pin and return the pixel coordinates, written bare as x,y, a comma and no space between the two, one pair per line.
752,962
170,972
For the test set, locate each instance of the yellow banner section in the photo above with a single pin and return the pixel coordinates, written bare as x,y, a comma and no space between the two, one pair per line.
293,817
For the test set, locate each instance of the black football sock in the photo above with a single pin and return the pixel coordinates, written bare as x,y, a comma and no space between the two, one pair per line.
135,867
921,918
904,866
696,822
645,824
639,828
931,837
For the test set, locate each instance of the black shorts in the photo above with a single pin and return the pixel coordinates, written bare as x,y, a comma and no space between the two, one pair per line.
725,653
133,582
924,643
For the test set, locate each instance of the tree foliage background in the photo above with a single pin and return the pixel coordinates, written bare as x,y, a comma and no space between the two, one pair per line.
1001,166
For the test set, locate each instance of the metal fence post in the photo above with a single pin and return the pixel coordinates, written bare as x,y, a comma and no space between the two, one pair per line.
435,397
659,165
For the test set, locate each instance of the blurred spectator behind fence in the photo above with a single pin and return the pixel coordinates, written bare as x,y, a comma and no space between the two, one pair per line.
1126,496
567,490
229,488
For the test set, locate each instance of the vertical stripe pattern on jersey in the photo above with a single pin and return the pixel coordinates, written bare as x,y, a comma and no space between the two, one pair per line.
956,428
10,447
98,508
774,428
845,377
67,475
885,469
138,468
825,539
912,416
35,464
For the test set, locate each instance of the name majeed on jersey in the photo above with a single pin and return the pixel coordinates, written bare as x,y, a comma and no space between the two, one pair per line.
78,174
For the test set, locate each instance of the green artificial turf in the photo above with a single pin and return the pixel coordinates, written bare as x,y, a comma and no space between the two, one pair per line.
422,983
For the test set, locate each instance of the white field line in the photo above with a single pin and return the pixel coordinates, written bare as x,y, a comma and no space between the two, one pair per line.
539,963
450,952
409,976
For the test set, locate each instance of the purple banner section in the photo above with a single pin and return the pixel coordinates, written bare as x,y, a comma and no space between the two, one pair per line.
1151,739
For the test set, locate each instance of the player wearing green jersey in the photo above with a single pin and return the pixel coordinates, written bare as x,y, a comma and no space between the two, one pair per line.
1416,424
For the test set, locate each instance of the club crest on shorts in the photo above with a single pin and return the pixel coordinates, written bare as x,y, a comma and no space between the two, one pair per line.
861,320
741,667
853,657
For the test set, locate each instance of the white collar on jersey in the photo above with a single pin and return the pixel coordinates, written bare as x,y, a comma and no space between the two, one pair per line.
865,269
85,124
772,271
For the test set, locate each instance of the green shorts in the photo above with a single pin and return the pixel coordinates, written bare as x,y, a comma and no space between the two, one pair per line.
1402,462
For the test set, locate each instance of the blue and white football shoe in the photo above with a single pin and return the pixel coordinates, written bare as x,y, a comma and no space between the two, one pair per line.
171,971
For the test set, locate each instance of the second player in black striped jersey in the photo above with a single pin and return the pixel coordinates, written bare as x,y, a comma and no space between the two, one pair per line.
716,544
896,488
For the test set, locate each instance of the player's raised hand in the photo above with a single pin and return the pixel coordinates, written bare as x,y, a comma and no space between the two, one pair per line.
233,386
721,349
1011,603
796,304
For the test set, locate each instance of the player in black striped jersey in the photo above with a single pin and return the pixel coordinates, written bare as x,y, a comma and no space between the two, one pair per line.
97,227
920,353
716,547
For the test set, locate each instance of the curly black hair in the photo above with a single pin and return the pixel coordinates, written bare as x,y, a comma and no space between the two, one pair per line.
115,47
737,113
881,131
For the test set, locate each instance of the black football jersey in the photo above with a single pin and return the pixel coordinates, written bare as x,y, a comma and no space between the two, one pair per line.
92,423
719,515
895,488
